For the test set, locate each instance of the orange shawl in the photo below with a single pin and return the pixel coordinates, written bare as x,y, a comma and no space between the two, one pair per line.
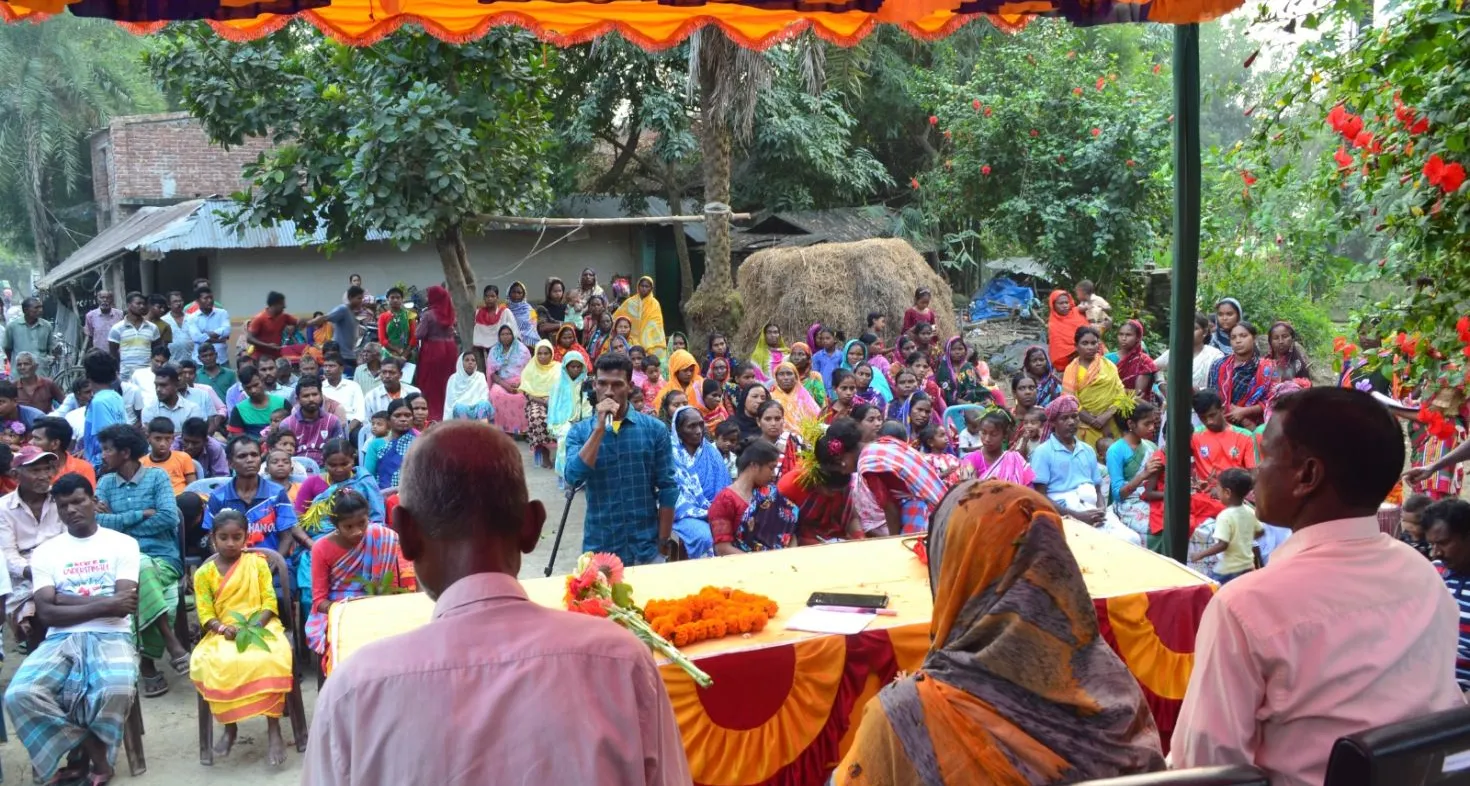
1018,686
1061,331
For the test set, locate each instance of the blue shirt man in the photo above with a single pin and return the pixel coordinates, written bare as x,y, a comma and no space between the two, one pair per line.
626,462
1064,465
268,512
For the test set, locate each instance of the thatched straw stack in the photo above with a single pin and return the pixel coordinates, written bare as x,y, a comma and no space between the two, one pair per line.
837,284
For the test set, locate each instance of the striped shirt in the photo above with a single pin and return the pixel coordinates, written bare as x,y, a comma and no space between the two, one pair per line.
1459,586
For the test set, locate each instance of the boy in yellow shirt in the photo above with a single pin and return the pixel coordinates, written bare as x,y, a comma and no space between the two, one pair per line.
1236,528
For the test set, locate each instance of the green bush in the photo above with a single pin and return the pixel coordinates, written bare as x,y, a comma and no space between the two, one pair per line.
1268,291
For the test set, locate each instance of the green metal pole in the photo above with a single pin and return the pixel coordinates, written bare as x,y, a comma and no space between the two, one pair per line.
1185,281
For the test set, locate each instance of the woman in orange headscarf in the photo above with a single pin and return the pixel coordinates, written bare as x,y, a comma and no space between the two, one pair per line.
1061,328
684,377
1015,663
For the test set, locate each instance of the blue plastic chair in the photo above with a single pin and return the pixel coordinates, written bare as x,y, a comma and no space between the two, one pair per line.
955,415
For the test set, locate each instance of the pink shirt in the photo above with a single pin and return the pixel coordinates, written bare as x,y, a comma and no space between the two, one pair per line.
1346,629
498,688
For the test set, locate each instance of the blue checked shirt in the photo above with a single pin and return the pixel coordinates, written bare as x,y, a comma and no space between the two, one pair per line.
633,479
157,535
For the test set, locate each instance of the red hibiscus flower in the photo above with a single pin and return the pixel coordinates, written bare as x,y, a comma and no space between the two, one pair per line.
1129,162
975,105
987,111
933,121
1035,133
1249,178
1343,159
1462,327
1433,169
1101,83
1096,131
1364,139
1076,91
985,169
914,183
1452,178
947,134
1158,67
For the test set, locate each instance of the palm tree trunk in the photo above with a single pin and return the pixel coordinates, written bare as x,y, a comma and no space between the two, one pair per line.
715,307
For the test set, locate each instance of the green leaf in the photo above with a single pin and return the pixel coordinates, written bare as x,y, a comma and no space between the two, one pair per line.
622,595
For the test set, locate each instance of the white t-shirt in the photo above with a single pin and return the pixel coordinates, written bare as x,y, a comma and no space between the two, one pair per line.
968,441
88,567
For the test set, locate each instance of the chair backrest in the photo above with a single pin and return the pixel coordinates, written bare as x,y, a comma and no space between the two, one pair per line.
306,465
1237,775
955,415
1427,749
198,469
284,591
206,486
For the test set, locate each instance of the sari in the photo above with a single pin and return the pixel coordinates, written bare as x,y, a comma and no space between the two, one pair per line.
1061,331
466,395
558,352
896,472
1293,367
313,514
384,457
1011,467
348,577
399,328
487,325
766,357
1220,339
767,523
1203,509
878,386
614,342
647,318
984,708
239,684
681,359
1124,463
537,380
1047,387
959,385
525,315
1136,364
798,404
505,364
811,379
1097,388
1242,384
700,477
567,405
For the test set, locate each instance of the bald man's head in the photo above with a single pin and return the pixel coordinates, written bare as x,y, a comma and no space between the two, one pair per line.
464,478
462,505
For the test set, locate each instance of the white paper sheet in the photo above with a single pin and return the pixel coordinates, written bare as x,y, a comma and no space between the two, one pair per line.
818,621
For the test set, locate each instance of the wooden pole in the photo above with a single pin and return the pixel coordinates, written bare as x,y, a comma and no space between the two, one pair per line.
530,221
1177,474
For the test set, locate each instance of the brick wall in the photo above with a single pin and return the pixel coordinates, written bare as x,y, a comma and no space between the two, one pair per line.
149,159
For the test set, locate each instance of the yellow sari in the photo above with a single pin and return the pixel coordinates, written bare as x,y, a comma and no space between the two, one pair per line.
647,317
1097,388
239,685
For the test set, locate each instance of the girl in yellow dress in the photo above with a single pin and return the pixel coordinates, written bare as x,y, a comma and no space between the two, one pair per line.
240,684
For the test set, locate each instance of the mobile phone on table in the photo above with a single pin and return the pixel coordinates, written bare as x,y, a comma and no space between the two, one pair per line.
853,599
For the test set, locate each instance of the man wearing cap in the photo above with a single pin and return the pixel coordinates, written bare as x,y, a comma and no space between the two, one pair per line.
28,518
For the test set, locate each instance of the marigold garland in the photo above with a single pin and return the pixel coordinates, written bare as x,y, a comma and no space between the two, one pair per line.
712,613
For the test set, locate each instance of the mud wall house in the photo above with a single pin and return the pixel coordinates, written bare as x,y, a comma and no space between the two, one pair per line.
162,223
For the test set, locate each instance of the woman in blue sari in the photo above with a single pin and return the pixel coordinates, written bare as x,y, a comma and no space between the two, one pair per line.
524,313
702,474
567,404
875,390
384,455
314,500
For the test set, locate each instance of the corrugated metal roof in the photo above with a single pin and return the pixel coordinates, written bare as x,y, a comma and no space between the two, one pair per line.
206,228
117,239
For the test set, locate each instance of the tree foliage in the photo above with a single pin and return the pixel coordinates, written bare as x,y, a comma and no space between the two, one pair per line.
59,82
411,137
1374,124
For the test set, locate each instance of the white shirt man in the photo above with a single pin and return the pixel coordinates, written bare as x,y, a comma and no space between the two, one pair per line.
345,392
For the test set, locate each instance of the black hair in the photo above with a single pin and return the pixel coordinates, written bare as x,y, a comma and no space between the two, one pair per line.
727,426
1018,377
397,404
135,294
874,316
927,433
615,361
1455,513
277,435
355,291
238,440
1359,444
892,428
1206,400
1250,328
649,360
348,502
843,432
68,483
335,446
710,386
490,288
760,411
80,385
122,436
665,409
922,291
56,428
100,368
381,414
1237,481
1414,503
1141,410
8,389
160,425
860,412
153,300
1201,321
169,372
275,299
332,357
246,375
914,357
191,507
5,458
904,370
1087,285
398,364
1084,330
308,381
1000,419
741,368
227,516
756,451
195,427
394,291
206,347
202,289
839,375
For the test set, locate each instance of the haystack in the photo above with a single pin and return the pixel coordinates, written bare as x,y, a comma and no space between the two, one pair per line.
837,284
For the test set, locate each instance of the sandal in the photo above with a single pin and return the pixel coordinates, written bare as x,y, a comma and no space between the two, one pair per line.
154,685
181,665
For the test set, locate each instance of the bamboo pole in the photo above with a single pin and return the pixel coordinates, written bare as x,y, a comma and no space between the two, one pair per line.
532,221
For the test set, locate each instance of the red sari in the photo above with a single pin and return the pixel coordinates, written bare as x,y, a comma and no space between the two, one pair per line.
438,350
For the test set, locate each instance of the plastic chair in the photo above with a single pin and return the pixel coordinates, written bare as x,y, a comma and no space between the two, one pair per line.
1424,749
1237,775
198,470
955,416
295,706
206,486
306,465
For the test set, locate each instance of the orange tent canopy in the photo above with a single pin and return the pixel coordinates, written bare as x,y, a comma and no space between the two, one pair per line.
755,24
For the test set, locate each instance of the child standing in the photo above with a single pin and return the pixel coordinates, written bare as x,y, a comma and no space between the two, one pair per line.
1236,529
920,313
238,684
653,380
177,463
357,553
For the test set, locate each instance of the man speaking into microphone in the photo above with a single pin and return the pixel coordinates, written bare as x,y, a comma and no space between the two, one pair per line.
623,458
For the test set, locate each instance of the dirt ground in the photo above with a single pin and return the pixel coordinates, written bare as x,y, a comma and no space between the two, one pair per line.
170,722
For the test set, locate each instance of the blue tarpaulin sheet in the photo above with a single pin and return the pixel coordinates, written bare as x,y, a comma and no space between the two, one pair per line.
1001,298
